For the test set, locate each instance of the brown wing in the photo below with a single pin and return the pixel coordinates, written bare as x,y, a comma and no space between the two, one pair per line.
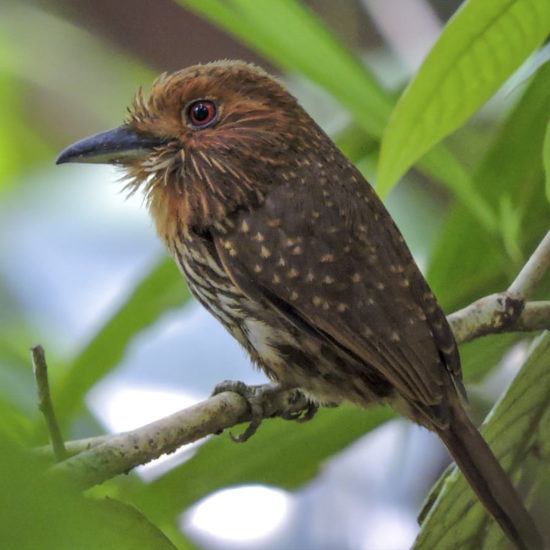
329,257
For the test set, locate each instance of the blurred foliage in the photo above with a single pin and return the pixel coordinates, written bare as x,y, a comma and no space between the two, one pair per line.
493,211
481,46
42,511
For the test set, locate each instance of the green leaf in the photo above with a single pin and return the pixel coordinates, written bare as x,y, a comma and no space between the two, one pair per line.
442,164
483,354
161,289
510,226
482,44
293,37
457,518
281,453
39,511
14,426
546,159
20,142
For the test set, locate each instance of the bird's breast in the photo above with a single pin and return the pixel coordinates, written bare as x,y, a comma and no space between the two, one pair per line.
266,336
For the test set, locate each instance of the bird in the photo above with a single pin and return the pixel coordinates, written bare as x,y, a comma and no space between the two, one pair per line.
283,240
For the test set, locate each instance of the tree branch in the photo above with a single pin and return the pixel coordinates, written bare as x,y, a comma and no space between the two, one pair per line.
94,460
108,456
533,271
507,311
496,314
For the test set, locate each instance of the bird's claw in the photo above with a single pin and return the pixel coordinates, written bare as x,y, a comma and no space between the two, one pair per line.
255,396
305,415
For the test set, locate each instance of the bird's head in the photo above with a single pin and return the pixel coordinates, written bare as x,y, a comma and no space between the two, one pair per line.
209,139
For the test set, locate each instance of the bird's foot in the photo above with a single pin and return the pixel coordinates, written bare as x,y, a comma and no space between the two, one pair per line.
303,415
253,396
268,401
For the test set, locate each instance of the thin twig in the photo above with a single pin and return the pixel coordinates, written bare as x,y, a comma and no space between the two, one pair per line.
532,272
75,446
40,369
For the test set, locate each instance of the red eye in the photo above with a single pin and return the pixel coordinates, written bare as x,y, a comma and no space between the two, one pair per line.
202,113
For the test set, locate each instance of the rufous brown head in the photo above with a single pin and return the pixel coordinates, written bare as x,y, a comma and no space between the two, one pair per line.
210,137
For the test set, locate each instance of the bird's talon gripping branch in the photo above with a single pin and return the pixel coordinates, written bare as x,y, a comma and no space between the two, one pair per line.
250,429
268,401
255,397
235,386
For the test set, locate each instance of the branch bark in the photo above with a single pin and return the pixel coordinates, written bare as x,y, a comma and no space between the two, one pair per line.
94,460
533,271
508,311
97,459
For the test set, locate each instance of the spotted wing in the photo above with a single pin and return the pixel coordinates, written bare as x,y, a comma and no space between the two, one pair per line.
330,258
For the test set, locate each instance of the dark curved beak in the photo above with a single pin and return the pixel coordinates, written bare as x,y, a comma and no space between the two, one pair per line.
110,147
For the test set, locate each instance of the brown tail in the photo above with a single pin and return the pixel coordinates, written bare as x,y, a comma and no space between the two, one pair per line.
489,481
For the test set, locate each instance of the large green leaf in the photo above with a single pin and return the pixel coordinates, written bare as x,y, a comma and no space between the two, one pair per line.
39,511
162,288
440,163
480,47
457,520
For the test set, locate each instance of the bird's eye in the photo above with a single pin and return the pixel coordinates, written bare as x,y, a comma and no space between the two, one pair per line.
202,113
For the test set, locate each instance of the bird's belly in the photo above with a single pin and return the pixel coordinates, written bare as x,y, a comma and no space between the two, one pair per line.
286,354
292,359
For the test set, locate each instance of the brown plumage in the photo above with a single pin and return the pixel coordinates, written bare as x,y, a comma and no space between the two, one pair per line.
281,238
